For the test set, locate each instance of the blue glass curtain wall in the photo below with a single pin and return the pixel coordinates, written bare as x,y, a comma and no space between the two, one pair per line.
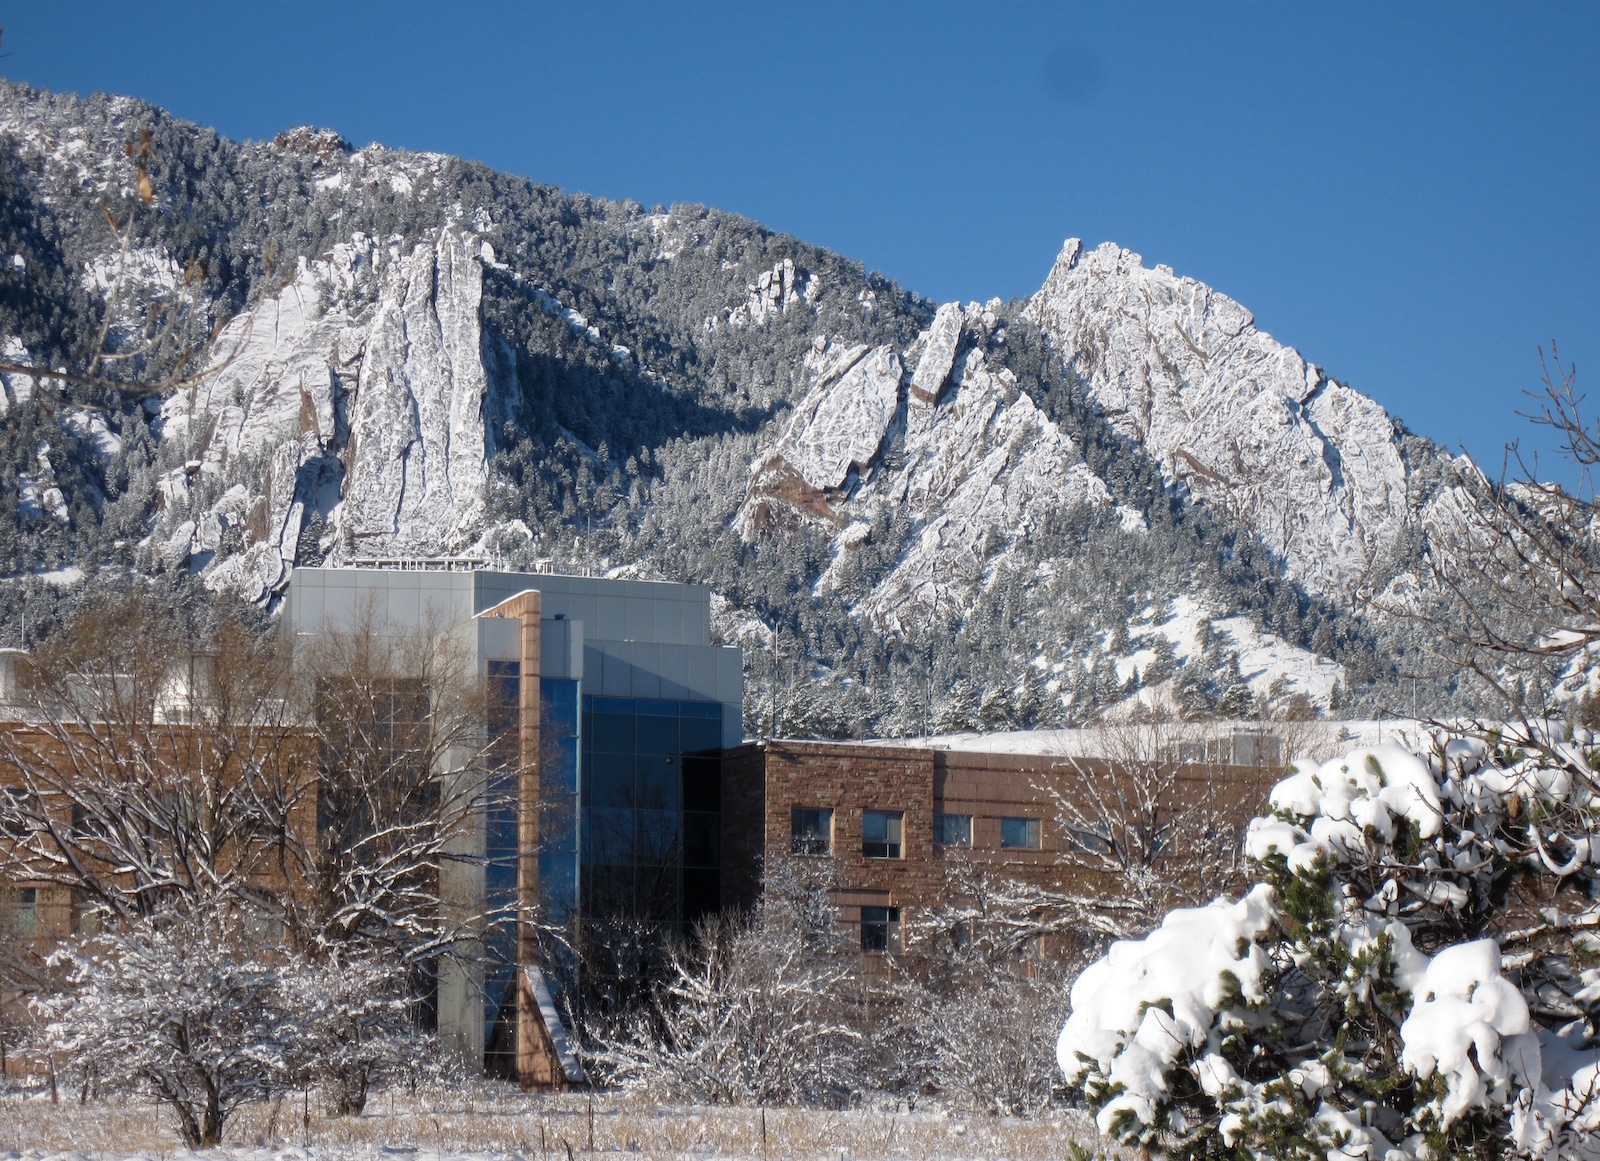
652,802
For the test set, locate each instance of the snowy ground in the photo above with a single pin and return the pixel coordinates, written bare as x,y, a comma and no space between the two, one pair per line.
489,1122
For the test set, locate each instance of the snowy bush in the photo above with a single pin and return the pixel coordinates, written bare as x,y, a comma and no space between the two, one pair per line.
747,1015
1413,976
178,1007
752,1009
353,1026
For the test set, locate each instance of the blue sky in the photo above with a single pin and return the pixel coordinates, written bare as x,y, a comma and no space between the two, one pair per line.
1408,193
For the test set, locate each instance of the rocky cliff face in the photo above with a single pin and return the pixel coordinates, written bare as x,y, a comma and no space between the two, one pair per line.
357,394
975,465
460,363
1245,423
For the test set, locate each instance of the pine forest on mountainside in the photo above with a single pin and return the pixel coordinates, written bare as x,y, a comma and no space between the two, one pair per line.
645,378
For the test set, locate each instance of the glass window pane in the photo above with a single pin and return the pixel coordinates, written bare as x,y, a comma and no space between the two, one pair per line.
611,734
880,834
952,830
812,830
655,891
607,891
656,781
701,893
880,929
560,772
657,841
702,784
609,781
609,705
656,735
655,707
1020,833
699,734
558,698
608,836
702,839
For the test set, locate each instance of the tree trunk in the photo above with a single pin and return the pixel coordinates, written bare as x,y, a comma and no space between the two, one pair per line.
188,1128
211,1124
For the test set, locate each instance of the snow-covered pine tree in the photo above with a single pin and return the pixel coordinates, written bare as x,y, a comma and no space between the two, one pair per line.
1410,977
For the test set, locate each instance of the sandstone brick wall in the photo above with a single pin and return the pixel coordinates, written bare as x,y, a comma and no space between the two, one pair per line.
764,782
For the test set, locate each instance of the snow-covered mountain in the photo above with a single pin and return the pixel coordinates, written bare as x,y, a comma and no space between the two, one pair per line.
412,356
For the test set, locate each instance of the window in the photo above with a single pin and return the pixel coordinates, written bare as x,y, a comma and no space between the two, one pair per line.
952,830
25,911
651,808
812,830
1091,840
16,811
880,929
881,833
1020,833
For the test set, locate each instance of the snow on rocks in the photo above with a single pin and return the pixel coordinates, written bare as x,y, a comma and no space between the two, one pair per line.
1303,461
373,340
1151,1000
981,466
979,473
774,292
938,355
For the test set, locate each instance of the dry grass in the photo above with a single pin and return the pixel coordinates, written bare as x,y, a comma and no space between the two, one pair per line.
495,1121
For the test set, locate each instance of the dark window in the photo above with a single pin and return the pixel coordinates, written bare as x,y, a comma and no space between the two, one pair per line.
881,833
702,892
700,735
1020,833
1090,840
812,830
608,836
609,780
25,911
657,735
609,733
702,840
880,929
702,783
952,830
651,815
657,781
657,838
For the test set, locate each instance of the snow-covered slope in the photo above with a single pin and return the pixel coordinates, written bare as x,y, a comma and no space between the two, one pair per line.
1251,428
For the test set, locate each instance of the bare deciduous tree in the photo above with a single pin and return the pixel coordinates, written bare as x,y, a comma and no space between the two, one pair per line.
749,1011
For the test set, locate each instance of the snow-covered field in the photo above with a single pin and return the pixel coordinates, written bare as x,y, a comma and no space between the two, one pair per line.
487,1121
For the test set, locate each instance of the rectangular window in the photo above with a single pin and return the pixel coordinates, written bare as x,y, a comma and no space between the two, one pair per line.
952,830
881,833
880,929
25,911
1090,840
1019,833
812,830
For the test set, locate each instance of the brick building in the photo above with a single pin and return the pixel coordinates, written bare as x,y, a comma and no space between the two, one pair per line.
890,817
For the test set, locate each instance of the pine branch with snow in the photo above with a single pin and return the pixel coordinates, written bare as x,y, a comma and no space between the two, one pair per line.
1401,983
